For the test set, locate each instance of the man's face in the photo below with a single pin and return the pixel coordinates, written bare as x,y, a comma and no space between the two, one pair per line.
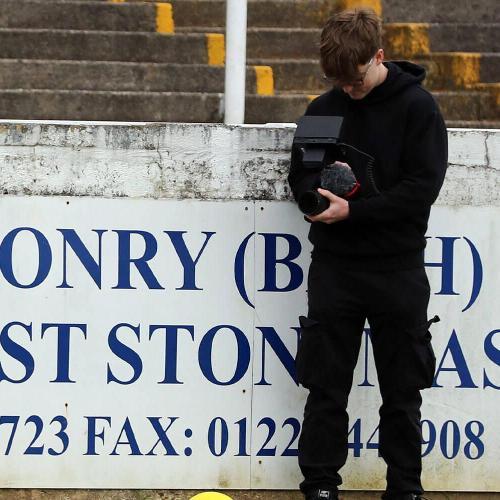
369,76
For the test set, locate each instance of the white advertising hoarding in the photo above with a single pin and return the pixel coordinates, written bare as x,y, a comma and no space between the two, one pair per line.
150,344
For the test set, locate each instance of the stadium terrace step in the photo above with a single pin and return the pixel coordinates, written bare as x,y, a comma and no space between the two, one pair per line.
285,43
467,106
404,40
104,46
455,70
477,106
119,76
295,75
142,106
275,109
441,11
110,106
473,105
95,16
449,70
313,13
261,13
409,40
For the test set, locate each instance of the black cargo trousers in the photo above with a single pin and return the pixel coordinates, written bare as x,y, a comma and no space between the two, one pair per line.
395,304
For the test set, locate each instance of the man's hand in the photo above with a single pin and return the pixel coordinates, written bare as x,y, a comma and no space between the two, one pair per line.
337,211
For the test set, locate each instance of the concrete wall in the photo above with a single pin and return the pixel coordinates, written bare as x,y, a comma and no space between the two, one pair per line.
199,161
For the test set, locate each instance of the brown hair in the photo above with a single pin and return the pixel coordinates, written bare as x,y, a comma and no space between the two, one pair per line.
349,39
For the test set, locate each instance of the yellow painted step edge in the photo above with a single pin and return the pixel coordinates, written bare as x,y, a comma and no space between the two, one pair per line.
216,51
264,80
408,39
466,68
375,5
164,18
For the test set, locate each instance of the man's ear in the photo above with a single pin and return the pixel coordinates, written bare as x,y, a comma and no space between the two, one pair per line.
380,56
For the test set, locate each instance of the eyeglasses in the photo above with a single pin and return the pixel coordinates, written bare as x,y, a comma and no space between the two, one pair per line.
338,82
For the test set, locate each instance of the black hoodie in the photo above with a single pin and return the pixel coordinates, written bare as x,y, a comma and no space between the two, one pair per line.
399,124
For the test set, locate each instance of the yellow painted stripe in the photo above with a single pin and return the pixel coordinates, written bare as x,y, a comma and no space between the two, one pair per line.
116,1
311,97
265,80
407,39
216,49
164,18
465,68
375,5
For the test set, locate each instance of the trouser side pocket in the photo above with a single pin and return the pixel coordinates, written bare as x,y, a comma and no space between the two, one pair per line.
417,361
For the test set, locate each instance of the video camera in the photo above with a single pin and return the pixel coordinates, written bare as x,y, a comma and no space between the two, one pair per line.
343,170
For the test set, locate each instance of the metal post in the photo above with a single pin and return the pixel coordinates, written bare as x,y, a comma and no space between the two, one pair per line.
236,48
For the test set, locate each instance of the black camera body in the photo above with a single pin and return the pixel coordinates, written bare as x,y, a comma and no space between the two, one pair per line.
317,138
339,168
339,179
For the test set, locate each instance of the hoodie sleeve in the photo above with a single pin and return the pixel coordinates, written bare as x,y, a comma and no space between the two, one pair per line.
424,162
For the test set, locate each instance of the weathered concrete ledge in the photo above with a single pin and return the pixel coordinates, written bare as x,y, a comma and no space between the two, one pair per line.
234,494
200,161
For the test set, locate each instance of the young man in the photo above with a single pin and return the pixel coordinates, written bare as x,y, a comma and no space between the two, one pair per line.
368,258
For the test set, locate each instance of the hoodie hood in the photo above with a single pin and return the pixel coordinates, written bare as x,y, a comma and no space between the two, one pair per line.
401,74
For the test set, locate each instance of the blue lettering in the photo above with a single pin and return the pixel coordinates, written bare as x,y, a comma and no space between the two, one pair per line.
477,269
367,344
162,435
44,257
17,352
93,267
63,347
493,354
125,353
187,261
460,365
130,440
171,334
205,355
91,433
270,336
271,262
446,265
141,263
239,270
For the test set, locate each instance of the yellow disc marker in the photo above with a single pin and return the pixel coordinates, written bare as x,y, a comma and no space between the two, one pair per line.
211,495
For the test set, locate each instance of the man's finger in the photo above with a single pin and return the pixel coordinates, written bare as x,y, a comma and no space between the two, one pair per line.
327,194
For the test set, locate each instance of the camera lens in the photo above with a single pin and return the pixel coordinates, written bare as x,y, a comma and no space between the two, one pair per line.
312,203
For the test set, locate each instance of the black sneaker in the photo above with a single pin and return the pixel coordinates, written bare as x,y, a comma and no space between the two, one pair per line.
322,495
